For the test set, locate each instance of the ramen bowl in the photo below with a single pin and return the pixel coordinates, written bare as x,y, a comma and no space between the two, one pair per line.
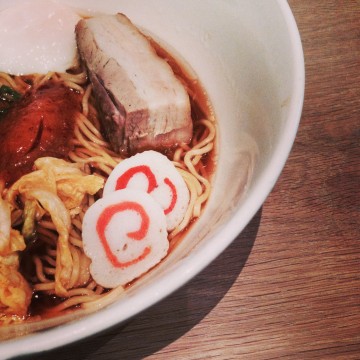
248,57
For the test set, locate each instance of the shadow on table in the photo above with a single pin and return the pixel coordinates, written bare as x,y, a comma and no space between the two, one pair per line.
171,318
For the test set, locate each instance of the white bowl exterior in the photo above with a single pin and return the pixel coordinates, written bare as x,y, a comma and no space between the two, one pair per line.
248,56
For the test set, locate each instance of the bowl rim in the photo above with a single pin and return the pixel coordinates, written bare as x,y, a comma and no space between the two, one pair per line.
94,323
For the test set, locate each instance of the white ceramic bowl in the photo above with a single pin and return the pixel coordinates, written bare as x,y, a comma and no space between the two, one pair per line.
248,56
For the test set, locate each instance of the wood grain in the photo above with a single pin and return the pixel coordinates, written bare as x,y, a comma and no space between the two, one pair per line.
289,285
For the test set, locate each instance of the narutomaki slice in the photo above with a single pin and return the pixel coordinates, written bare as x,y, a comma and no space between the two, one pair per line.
155,174
125,235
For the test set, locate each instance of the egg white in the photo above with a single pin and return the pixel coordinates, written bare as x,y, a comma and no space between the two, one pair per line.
37,37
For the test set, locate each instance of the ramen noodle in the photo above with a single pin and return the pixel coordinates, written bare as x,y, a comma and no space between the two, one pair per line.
46,253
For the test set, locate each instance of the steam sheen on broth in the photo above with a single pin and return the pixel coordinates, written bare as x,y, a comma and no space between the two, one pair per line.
48,190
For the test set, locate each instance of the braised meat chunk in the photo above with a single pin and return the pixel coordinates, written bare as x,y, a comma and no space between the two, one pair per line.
141,102
40,124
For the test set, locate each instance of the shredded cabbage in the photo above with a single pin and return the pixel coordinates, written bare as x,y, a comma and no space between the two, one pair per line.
30,210
15,292
72,184
62,221
5,226
58,187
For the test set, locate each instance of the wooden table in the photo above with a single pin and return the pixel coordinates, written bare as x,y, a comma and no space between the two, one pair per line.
289,285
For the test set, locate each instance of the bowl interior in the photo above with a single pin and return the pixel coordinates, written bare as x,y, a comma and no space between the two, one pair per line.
248,57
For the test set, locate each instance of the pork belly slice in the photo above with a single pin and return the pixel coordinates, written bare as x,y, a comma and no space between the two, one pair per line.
142,103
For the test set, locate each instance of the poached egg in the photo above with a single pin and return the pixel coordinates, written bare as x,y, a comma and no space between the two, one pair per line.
37,37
